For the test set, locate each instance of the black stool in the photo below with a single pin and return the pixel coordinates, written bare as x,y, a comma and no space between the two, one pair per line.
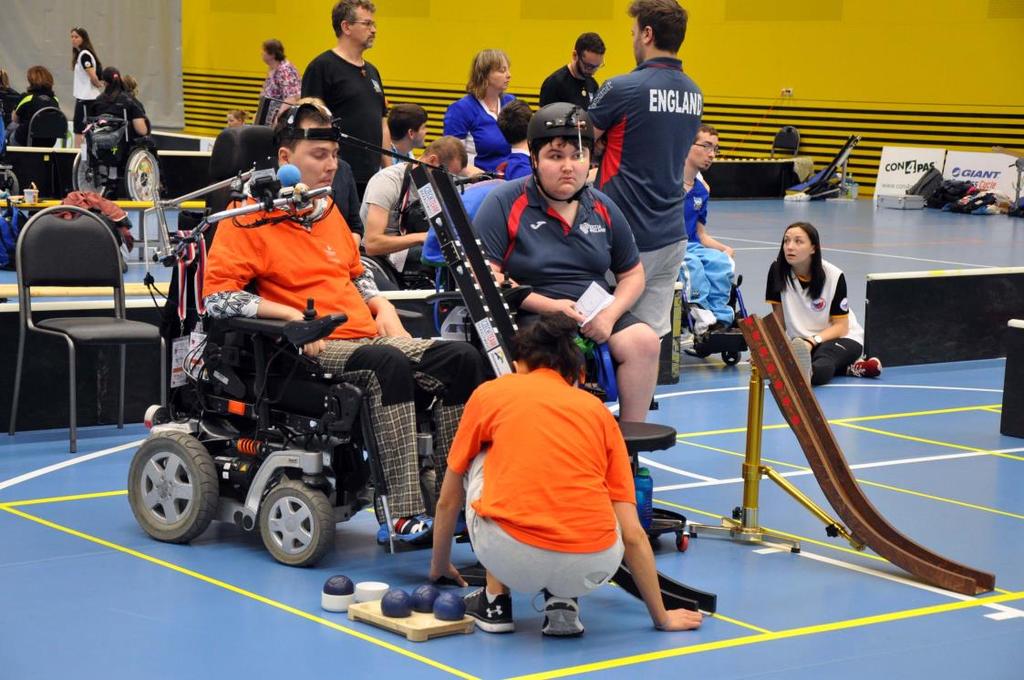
643,437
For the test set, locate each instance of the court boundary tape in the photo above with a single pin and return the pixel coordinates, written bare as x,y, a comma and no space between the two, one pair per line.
209,580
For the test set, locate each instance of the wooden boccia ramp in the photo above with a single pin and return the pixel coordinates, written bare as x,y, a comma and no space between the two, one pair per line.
417,627
772,355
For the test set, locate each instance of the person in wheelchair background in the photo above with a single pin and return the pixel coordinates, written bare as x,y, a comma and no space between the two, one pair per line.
554,233
119,154
284,262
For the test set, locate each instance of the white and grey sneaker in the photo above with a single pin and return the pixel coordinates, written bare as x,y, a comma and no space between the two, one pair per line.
493,617
561,616
803,356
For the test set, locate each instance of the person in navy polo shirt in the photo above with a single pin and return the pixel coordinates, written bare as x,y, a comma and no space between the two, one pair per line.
649,119
552,232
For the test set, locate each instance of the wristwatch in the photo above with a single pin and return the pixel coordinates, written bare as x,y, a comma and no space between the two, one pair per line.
817,340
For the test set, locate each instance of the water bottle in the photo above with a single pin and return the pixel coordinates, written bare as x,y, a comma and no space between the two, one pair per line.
644,496
851,188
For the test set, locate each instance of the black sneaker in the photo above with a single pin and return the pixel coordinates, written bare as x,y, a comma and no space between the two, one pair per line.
561,616
492,617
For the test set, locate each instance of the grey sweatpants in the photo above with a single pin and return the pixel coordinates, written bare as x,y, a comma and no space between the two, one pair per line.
525,568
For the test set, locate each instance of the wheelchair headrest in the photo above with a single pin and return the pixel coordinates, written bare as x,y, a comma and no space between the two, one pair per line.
237,148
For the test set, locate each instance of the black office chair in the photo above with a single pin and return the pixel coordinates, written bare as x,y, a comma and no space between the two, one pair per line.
46,126
82,251
786,142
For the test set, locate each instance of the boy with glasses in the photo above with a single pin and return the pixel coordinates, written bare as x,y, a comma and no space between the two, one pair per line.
708,266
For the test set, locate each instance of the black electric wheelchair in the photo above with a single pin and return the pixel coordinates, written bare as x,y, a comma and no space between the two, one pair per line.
116,163
260,436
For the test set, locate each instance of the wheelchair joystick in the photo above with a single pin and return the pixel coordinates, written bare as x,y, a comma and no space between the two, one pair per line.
310,312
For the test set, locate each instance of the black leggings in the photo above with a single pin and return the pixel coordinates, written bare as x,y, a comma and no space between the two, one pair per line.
455,367
832,358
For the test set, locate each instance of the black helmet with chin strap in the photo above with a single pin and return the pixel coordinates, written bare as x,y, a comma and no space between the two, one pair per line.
560,119
556,121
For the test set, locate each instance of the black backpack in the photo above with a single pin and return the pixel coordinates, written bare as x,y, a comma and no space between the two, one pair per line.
950,191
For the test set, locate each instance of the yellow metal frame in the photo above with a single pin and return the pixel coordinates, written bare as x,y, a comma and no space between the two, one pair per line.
744,525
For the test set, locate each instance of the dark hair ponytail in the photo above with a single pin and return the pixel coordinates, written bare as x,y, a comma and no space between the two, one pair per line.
550,342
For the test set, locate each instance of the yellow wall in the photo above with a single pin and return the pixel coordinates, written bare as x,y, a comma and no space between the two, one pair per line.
946,73
872,51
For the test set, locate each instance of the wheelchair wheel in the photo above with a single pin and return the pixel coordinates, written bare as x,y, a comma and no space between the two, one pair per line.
142,175
173,487
82,176
296,524
731,358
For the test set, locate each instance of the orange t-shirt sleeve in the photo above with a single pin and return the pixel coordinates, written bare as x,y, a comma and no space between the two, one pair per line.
473,433
233,260
619,477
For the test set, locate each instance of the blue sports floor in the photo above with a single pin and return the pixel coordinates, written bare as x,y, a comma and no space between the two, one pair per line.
85,593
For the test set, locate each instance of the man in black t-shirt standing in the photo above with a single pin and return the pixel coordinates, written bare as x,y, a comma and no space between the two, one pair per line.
351,87
574,82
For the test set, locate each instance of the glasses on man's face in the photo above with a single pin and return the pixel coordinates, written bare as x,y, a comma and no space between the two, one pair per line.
587,66
369,23
708,146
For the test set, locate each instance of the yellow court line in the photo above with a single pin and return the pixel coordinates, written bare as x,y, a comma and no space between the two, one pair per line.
741,455
741,624
914,414
802,539
898,489
839,421
933,442
240,591
994,409
64,499
943,499
748,640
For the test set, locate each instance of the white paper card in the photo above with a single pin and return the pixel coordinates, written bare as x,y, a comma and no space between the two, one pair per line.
594,299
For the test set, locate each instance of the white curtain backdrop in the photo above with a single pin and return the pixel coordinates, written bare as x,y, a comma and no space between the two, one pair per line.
140,37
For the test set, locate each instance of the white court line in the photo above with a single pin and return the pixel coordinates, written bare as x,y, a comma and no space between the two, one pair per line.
67,463
858,466
1004,612
864,252
661,466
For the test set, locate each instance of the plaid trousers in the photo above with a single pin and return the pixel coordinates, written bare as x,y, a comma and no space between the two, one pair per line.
394,424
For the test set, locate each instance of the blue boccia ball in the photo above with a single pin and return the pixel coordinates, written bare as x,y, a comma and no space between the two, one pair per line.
396,603
339,585
449,607
423,598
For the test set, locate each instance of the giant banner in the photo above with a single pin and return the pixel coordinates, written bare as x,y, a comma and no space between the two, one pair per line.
987,171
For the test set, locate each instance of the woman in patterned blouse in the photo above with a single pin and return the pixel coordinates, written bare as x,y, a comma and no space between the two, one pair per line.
282,81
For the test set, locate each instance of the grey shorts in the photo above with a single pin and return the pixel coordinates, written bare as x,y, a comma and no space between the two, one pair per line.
526,568
661,271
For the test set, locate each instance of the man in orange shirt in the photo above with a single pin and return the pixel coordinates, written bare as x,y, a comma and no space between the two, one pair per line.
547,489
288,261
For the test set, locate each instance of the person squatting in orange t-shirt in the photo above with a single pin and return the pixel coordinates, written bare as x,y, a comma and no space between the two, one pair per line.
288,262
543,472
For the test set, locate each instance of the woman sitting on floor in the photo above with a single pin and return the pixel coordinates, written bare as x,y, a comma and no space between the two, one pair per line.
808,294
